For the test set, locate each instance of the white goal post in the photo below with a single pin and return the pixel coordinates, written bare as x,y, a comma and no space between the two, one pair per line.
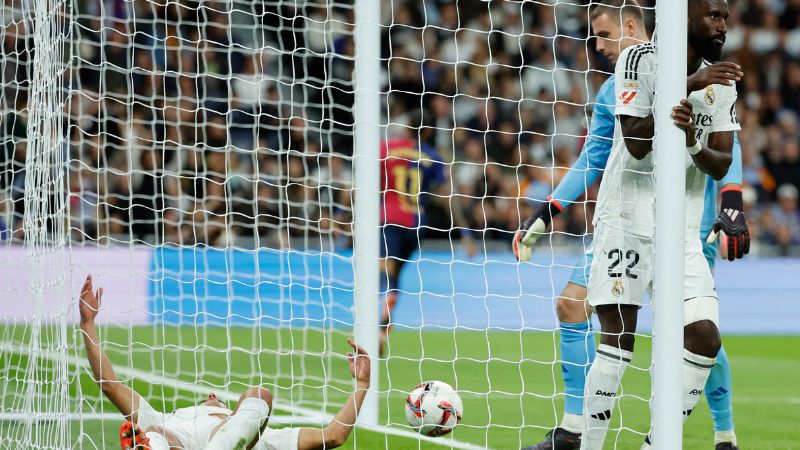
671,28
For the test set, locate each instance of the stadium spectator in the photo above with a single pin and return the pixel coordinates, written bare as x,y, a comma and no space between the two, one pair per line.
782,220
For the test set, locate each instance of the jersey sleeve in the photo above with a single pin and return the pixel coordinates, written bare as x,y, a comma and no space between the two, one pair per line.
635,81
725,114
734,175
594,155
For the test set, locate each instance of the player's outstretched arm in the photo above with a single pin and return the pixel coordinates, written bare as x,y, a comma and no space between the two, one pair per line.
335,434
124,398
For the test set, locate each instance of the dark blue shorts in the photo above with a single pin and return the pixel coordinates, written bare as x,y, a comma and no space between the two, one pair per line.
399,242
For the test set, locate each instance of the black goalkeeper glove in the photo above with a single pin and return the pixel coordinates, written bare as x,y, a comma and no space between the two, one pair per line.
732,223
532,229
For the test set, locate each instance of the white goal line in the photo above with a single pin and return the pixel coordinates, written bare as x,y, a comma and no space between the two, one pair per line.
301,415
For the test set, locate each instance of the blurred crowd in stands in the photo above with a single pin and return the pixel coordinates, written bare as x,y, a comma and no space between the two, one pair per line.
226,123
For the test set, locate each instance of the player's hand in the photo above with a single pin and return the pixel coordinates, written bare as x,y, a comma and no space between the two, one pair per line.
723,72
731,222
89,303
683,117
527,235
359,362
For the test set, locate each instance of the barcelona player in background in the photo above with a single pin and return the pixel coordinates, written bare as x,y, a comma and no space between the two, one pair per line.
413,176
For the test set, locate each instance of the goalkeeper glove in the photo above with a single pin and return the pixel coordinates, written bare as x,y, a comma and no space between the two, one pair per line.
731,222
532,229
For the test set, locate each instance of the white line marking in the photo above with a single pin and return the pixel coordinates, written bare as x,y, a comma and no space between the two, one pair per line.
771,400
304,415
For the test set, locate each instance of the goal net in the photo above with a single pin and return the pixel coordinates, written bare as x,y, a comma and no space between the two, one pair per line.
198,159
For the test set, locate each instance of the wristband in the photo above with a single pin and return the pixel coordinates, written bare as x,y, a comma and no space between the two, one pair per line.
695,149
732,198
546,211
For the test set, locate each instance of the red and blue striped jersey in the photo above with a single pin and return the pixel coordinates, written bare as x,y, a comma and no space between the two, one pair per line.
409,172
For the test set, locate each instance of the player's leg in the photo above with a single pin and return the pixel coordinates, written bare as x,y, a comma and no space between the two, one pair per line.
246,423
617,328
701,345
719,396
390,281
577,343
618,279
397,246
578,348
718,388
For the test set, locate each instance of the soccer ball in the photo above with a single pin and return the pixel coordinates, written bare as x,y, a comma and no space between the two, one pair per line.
434,408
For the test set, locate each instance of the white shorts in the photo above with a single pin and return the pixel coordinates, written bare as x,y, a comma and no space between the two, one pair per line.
194,435
622,269
278,439
192,426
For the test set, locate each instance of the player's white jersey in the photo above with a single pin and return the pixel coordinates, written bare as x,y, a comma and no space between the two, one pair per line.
627,193
193,426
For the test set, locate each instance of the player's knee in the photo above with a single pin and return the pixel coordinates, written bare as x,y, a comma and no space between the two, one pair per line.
701,332
259,392
571,306
702,338
624,341
390,268
618,325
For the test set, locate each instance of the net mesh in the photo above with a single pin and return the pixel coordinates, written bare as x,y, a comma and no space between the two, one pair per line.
199,163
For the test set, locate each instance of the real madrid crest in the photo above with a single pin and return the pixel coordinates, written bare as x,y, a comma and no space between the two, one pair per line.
617,289
709,95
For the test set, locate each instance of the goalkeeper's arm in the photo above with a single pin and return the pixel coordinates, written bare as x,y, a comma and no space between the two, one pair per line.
731,219
124,398
582,174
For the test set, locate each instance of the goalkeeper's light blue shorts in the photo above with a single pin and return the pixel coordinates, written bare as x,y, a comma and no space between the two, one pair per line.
580,275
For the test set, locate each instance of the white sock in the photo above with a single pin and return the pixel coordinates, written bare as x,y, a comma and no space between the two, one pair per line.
695,373
242,427
725,436
573,423
157,441
602,384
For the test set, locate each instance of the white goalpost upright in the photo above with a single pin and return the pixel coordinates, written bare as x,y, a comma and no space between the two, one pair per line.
366,192
669,140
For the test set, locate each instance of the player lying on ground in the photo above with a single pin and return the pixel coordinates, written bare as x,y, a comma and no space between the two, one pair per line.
618,24
211,424
412,175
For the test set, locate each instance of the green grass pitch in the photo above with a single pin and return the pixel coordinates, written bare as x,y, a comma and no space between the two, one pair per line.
509,382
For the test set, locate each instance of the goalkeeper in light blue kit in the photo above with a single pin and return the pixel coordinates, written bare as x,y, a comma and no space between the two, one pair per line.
618,24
